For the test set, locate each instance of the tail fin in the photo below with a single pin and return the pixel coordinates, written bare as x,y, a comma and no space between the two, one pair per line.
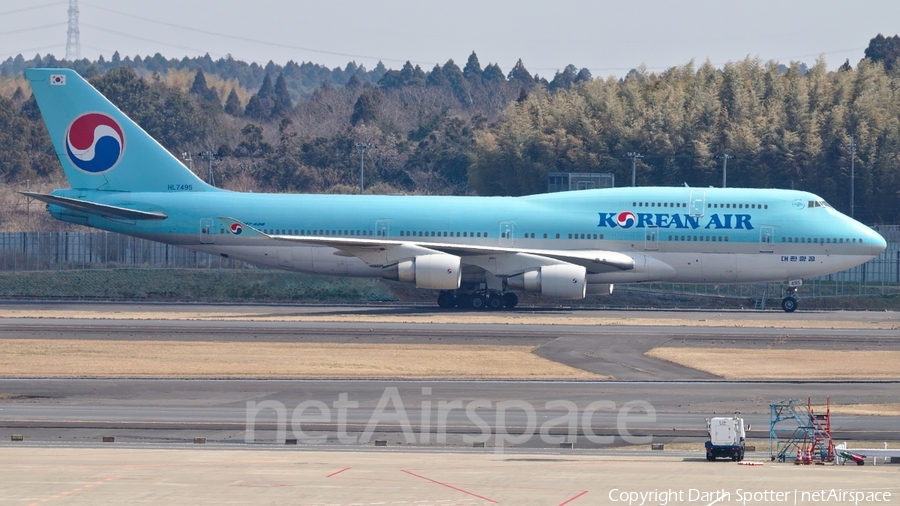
99,147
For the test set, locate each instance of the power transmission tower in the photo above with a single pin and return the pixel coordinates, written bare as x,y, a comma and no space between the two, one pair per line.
73,41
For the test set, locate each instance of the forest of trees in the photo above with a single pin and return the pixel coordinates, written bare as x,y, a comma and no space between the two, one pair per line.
480,130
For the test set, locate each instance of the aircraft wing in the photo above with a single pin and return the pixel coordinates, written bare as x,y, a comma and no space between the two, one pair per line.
510,261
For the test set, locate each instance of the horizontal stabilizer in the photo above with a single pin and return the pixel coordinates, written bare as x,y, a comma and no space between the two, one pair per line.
104,210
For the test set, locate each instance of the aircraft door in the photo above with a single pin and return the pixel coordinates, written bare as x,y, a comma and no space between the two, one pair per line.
651,238
207,231
698,203
766,239
507,234
383,228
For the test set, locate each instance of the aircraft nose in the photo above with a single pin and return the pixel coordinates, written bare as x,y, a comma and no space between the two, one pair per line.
879,244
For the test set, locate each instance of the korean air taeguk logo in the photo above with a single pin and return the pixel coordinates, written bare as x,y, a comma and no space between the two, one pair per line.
95,143
625,219
236,229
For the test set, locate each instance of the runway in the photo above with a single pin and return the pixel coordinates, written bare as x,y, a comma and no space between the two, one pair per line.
664,402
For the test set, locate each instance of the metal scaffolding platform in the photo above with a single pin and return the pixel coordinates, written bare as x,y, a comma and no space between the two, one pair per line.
808,437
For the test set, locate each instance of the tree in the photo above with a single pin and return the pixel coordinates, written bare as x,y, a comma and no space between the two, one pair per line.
282,97
365,109
520,75
255,109
492,73
233,104
201,90
472,69
436,78
885,50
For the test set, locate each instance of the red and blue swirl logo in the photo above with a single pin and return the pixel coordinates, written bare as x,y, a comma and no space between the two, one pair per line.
625,219
95,143
236,229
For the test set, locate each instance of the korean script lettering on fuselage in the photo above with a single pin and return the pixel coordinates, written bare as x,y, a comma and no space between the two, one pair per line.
628,219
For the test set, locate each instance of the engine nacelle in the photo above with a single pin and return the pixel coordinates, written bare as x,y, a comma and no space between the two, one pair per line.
435,272
564,281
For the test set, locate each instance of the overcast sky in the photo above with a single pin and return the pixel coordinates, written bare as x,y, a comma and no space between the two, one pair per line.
608,37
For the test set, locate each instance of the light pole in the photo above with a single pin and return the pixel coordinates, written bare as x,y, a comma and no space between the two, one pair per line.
852,175
363,146
634,156
725,168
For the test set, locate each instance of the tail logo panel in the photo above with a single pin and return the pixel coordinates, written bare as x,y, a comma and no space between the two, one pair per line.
236,229
95,143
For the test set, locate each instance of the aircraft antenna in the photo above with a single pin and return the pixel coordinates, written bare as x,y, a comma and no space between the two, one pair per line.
73,41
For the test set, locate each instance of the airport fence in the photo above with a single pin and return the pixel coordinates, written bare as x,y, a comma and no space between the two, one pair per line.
34,251
42,251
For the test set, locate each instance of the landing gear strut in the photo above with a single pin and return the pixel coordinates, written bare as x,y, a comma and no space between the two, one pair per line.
489,299
789,303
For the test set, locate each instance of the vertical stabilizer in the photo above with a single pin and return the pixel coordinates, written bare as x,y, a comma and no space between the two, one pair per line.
99,147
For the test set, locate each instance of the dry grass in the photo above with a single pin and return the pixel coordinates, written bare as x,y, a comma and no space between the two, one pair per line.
744,364
520,318
892,409
167,359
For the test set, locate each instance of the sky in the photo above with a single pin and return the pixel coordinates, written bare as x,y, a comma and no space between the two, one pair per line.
607,37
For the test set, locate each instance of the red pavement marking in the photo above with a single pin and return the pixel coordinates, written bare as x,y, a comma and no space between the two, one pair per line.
337,472
450,486
567,501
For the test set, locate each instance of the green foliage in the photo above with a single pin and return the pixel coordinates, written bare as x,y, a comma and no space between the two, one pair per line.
365,109
785,129
885,50
165,113
233,104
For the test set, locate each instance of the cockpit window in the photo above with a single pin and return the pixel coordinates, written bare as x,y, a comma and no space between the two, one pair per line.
817,203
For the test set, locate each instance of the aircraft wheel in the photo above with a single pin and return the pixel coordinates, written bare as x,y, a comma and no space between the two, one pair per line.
495,302
789,304
510,299
463,301
477,301
446,300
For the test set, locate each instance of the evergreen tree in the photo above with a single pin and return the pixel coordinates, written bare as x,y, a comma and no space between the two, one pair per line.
520,75
472,69
233,104
283,103
256,109
492,73
365,109
885,50
201,90
436,78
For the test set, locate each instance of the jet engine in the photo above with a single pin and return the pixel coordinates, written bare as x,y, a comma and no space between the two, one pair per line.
565,281
436,272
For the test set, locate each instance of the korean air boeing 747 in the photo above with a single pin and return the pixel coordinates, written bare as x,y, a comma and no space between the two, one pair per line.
476,250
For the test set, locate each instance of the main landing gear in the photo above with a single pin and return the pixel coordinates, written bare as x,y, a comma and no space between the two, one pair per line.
789,302
477,300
